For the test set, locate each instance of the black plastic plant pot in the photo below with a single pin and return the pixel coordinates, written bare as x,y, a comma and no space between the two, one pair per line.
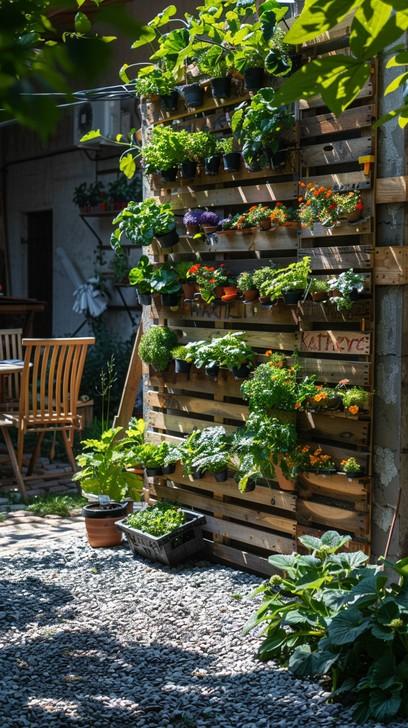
111,510
221,476
171,549
153,472
254,78
188,169
354,294
181,366
293,297
212,371
232,161
145,299
212,165
169,175
170,299
193,95
169,239
277,159
197,474
169,469
221,87
241,372
350,475
334,403
250,486
169,102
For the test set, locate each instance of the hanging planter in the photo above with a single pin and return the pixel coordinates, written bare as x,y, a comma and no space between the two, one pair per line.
254,78
168,240
221,87
241,372
232,161
100,523
170,300
221,475
181,366
169,175
212,164
293,297
145,299
169,102
193,95
188,169
212,372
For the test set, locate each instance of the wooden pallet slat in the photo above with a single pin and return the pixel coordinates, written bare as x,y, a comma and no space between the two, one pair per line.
335,152
355,118
359,257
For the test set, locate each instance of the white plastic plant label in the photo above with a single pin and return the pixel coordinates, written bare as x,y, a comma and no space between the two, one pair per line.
103,500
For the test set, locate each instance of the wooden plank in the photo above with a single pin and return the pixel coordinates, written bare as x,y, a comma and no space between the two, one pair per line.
156,116
177,423
356,118
391,265
282,340
236,242
349,343
263,494
247,535
333,517
203,502
314,312
331,371
335,152
315,101
362,227
331,427
252,194
339,258
391,189
197,381
342,181
189,405
242,559
234,312
337,486
131,385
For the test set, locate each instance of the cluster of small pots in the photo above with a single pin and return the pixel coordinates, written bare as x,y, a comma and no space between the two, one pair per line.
184,367
211,166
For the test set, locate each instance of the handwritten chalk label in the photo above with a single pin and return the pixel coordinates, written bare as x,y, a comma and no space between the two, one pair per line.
335,342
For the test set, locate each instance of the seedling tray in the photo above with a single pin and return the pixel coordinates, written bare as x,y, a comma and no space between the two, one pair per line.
171,549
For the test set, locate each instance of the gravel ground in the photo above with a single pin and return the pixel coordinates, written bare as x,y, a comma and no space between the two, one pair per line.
97,638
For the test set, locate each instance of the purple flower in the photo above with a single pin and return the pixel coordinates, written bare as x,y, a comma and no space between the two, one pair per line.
209,218
192,217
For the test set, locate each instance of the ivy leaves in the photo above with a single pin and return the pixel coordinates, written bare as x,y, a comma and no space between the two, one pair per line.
375,26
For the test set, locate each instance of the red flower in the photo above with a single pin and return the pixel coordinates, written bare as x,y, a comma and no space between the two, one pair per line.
194,268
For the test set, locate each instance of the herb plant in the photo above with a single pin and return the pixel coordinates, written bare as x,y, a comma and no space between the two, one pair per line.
141,275
158,520
139,222
343,286
156,345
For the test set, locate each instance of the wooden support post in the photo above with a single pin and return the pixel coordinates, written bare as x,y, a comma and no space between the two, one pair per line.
132,384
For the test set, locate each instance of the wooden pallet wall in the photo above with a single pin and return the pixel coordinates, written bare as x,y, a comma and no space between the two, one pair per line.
244,528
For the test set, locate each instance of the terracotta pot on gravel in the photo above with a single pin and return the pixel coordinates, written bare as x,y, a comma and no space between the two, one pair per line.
100,523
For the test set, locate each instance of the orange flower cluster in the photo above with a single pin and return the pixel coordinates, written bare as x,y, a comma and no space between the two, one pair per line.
354,409
317,459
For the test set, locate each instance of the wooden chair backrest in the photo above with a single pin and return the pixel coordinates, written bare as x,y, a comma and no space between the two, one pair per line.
51,378
11,348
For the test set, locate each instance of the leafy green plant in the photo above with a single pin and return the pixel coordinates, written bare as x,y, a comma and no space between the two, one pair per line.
205,450
270,387
158,520
184,353
292,278
262,45
141,275
103,463
213,62
139,222
234,350
198,145
56,505
263,278
156,345
151,455
154,82
225,145
356,397
350,466
343,286
165,280
164,150
245,282
318,285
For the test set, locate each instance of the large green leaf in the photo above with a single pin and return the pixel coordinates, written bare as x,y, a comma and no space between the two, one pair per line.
91,135
127,165
376,26
146,35
351,560
282,561
163,18
305,663
384,706
319,16
347,626
271,644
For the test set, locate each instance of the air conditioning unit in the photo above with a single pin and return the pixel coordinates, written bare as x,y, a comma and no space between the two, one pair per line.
104,115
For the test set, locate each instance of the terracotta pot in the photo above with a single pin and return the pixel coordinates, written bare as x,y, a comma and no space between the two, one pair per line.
208,229
250,295
189,289
192,229
230,293
284,482
265,224
265,300
219,291
101,522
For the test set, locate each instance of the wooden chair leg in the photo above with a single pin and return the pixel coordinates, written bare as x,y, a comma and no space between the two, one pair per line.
52,448
20,446
69,451
36,452
14,463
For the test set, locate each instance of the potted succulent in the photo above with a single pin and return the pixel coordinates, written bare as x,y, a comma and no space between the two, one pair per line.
104,473
247,287
319,289
350,467
209,221
165,282
231,158
355,399
212,63
236,354
141,277
164,533
192,220
156,345
183,356
346,288
193,95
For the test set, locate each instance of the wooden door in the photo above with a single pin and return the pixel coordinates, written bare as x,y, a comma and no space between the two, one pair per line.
39,267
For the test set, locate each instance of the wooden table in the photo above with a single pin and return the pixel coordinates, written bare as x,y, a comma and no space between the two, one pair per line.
22,310
8,367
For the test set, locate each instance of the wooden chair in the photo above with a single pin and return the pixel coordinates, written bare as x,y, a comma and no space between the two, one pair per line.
10,348
49,392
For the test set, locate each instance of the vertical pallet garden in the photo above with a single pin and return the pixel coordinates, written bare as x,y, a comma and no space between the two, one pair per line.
243,528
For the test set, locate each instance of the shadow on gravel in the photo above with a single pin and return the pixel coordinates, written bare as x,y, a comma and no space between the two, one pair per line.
28,601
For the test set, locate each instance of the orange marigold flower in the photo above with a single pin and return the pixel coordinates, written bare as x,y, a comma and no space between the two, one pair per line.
316,193
308,202
212,280
297,405
328,194
268,353
300,199
302,184
354,409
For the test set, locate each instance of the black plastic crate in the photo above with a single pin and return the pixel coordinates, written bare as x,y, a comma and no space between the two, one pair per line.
174,547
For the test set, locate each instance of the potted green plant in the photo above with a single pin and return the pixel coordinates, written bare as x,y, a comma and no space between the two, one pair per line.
207,357
188,284
319,289
247,287
346,288
212,63
199,446
104,473
163,153
183,357
212,156
263,279
164,533
157,82
209,221
141,222
209,279
120,268
171,458
81,198
272,387
165,282
152,457
193,94
156,345
231,158
350,467
197,145
355,399
141,277
236,354
291,282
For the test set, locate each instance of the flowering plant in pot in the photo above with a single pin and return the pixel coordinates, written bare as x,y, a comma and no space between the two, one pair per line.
103,472
345,288
260,215
213,63
273,387
281,215
275,359
209,221
350,467
317,205
182,268
325,398
209,278
314,459
236,354
156,345
247,287
192,220
141,277
165,282
355,399
350,205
